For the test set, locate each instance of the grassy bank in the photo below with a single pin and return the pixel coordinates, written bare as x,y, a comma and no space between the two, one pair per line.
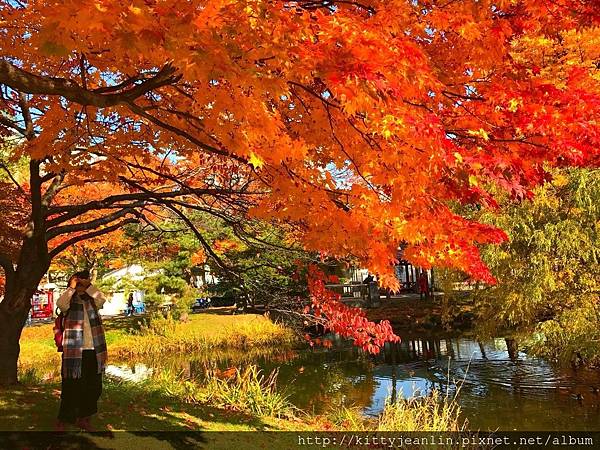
169,399
433,413
201,332
246,401
129,338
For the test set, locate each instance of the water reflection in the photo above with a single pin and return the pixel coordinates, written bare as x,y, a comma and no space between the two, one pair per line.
131,372
500,387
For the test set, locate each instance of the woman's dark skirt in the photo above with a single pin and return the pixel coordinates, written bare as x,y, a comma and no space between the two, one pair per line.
79,397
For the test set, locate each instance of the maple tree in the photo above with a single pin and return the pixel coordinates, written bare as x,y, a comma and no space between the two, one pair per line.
357,122
91,252
95,254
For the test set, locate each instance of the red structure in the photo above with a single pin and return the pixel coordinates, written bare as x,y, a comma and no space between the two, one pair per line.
42,304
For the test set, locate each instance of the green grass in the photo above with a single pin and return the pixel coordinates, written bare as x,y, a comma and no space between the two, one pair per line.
172,405
201,332
127,338
128,409
246,390
160,404
123,406
431,413
231,400
249,390
246,401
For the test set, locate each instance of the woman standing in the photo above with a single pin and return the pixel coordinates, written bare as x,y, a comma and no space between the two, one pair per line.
130,308
84,352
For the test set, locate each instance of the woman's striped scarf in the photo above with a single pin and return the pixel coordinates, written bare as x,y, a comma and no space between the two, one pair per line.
73,336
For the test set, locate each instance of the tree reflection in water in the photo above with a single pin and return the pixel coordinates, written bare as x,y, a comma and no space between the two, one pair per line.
496,379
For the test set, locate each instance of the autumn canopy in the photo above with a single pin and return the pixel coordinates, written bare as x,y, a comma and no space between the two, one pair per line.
360,124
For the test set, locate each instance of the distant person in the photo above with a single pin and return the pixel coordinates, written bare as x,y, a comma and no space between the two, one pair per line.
84,352
130,309
369,279
423,285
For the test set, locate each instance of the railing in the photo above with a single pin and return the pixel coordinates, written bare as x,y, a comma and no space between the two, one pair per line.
367,293
355,291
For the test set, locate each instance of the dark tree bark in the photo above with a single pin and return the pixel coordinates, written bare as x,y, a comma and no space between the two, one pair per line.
12,322
512,348
14,308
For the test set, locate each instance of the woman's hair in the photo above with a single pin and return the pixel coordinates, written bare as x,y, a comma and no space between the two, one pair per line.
83,274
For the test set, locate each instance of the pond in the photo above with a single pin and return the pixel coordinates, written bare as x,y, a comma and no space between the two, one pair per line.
495,390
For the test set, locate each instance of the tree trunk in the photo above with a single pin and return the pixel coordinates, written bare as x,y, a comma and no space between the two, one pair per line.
12,322
14,308
512,348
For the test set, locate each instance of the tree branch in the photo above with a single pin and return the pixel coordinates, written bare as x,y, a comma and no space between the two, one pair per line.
52,189
13,179
182,133
10,124
332,4
35,183
9,270
29,131
203,241
314,94
7,265
72,214
74,210
23,81
48,177
89,225
60,248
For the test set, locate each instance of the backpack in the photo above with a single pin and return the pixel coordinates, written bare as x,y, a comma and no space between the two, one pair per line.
59,330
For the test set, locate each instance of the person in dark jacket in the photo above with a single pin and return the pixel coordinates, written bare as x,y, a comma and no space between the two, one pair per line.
423,285
130,309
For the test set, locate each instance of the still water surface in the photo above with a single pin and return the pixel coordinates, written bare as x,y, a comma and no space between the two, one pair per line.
495,390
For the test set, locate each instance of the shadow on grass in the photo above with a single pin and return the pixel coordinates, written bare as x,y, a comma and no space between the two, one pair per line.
218,311
130,415
123,323
103,440
123,406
